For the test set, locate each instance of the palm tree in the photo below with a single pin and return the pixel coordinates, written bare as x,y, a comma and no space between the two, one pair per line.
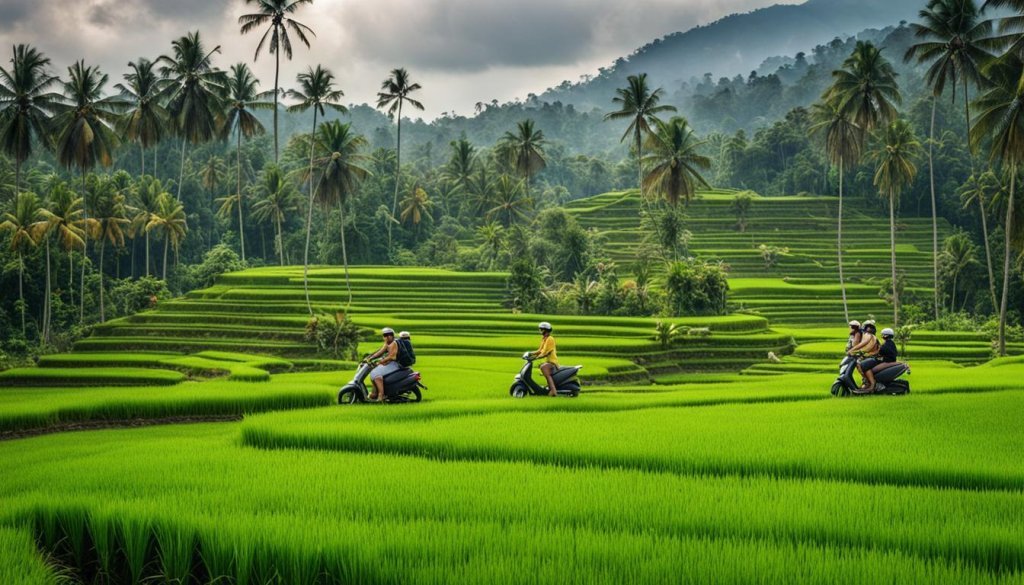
64,210
673,161
276,14
844,142
510,202
958,255
20,223
1000,124
524,149
146,120
194,94
341,165
394,93
170,221
480,188
894,156
145,206
955,41
279,198
416,206
41,231
211,175
25,105
85,136
641,106
242,95
461,163
108,213
865,89
492,237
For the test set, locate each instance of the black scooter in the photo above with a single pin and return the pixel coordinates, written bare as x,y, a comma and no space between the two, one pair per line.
886,381
402,385
566,381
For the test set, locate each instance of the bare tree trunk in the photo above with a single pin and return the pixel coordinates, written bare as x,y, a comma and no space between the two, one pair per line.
147,252
935,216
280,241
103,244
839,245
398,174
892,241
85,252
47,306
167,241
344,252
309,218
1007,252
142,153
181,168
21,289
238,172
277,85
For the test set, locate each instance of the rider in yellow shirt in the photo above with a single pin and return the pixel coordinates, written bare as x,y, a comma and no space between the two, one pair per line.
550,356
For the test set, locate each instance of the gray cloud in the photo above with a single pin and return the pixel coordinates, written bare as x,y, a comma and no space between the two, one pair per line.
14,12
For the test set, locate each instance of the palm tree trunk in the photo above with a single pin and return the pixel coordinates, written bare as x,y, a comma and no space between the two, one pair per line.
1006,261
839,245
981,203
167,241
17,177
277,85
85,253
952,303
181,168
47,307
147,253
344,253
280,241
309,218
935,218
103,244
398,173
639,166
21,289
142,156
156,152
892,242
238,174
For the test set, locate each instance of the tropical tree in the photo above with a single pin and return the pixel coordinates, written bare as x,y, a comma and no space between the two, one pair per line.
276,13
524,150
20,222
145,206
170,222
510,202
844,143
416,206
145,122
461,163
1000,125
955,41
865,88
107,205
958,254
242,96
673,162
894,155
194,93
641,106
211,175
278,199
342,166
65,211
394,94
26,104
492,238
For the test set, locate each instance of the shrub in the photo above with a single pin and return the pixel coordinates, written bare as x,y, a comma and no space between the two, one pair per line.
771,254
131,296
665,332
217,261
696,288
524,285
740,207
337,336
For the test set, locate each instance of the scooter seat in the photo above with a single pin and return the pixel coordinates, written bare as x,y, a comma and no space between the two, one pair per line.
885,366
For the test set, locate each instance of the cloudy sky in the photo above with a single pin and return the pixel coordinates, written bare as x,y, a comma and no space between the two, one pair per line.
461,51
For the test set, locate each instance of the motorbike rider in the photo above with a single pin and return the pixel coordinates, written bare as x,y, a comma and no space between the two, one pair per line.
887,354
388,354
868,346
547,352
855,335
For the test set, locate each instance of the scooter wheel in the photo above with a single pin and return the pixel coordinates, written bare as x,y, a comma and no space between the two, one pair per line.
416,395
574,391
517,391
838,390
348,396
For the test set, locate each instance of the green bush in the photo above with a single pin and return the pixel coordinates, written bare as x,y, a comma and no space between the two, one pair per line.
337,336
696,288
217,261
128,296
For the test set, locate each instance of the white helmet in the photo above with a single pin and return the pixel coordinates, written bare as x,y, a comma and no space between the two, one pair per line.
404,335
387,331
869,322
887,332
544,325
855,323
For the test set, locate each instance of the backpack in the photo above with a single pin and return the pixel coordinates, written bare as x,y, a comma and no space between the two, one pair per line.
406,356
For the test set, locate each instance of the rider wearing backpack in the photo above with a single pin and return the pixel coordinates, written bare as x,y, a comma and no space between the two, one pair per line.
406,354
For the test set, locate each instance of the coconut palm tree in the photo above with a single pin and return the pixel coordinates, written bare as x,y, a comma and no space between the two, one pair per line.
894,155
341,166
461,163
394,93
278,199
955,41
170,221
865,88
26,104
958,254
42,231
64,210
416,206
510,203
673,162
1000,126
194,93
844,143
276,13
641,106
1009,37
524,149
144,207
480,188
19,222
211,175
242,96
145,122
107,205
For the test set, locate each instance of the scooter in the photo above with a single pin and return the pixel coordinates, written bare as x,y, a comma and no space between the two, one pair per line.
402,385
566,381
887,381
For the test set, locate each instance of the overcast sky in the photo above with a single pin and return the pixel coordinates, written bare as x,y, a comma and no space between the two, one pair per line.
461,51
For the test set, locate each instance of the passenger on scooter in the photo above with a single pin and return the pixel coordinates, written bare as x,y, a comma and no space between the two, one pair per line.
547,352
387,364
855,335
887,354
868,346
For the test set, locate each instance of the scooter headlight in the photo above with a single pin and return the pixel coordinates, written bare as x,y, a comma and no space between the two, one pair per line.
517,377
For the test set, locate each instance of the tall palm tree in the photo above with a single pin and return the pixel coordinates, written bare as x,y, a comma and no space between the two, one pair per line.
844,142
394,93
64,209
276,13
144,207
641,106
194,93
145,122
510,203
242,95
1009,37
211,174
26,104
279,199
107,206
524,149
42,231
85,135
955,40
895,170
673,162
170,221
19,222
1000,125
865,88
958,255
341,165
461,163
416,206
480,188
